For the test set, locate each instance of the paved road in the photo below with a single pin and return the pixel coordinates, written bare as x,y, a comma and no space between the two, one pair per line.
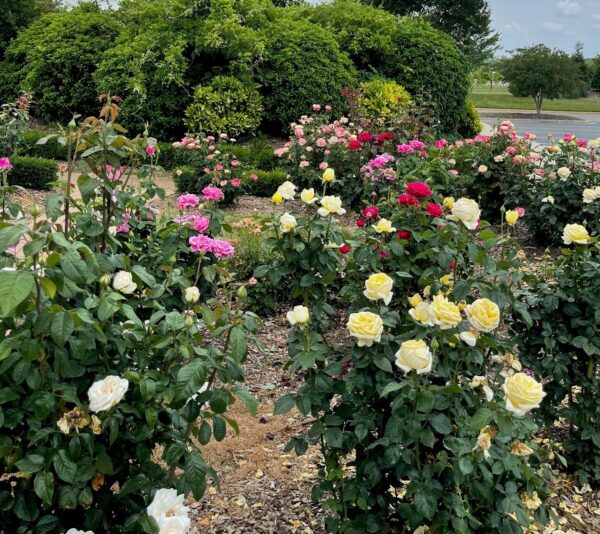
583,125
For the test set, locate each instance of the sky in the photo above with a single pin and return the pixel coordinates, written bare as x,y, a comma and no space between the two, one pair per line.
556,23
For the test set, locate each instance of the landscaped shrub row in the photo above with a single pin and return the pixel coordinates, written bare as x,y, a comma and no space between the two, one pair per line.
35,173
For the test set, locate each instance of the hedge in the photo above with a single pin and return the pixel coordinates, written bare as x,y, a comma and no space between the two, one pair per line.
35,173
50,150
267,183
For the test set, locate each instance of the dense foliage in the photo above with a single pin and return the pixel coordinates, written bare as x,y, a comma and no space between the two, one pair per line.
32,172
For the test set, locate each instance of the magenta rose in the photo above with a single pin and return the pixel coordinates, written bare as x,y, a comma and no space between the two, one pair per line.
222,248
187,201
201,243
212,193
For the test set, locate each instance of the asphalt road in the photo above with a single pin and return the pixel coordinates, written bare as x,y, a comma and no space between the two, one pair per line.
583,125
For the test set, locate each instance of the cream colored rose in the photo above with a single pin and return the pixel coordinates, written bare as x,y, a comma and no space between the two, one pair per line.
575,233
446,312
532,502
483,383
191,295
331,205
329,175
499,159
483,315
511,217
287,223
123,282
298,315
308,196
287,190
467,211
484,440
366,327
548,200
379,287
423,314
563,173
482,169
75,531
414,355
415,300
523,393
384,226
470,338
107,393
591,194
169,512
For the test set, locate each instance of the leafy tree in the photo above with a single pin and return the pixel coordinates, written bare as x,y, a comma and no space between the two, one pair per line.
540,72
595,81
468,21
487,73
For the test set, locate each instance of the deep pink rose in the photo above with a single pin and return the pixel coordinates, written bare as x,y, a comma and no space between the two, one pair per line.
406,199
418,189
187,201
212,193
235,182
5,164
150,150
435,210
370,212
201,243
222,248
200,223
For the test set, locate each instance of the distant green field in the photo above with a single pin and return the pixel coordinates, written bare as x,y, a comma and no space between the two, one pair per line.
500,98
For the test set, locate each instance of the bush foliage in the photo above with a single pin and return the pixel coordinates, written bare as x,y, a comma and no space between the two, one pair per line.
33,172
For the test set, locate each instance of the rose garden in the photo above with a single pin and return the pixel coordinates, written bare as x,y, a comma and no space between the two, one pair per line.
380,315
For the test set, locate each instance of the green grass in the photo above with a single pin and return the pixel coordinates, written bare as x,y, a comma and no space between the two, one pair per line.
500,98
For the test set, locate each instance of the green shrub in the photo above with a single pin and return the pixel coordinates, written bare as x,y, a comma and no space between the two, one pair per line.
55,60
49,150
303,66
266,183
171,157
224,105
35,173
382,99
425,61
188,180
469,124
257,154
13,123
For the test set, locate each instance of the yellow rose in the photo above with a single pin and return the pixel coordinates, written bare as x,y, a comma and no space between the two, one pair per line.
331,205
523,393
287,222
563,173
308,196
366,327
449,203
591,194
511,217
484,315
384,227
277,198
446,312
414,355
379,287
470,338
467,211
447,280
287,190
575,233
329,175
298,315
423,313
415,300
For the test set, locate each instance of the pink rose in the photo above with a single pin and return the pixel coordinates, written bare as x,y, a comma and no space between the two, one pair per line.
212,193
304,164
253,177
404,149
323,165
520,211
236,182
150,150
328,107
201,243
200,223
187,201
416,144
223,183
222,248
321,143
418,189
440,143
316,107
234,162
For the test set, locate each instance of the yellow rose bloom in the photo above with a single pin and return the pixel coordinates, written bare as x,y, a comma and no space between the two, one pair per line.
331,205
523,393
483,315
379,287
287,223
446,312
298,315
575,233
467,211
308,196
366,327
511,217
449,203
423,314
277,198
384,227
414,355
329,175
287,190
415,300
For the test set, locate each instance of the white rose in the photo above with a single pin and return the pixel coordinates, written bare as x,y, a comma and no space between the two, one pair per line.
287,222
106,393
169,512
469,338
589,195
287,190
191,295
75,531
563,173
482,169
379,286
331,205
549,199
414,355
308,196
123,282
467,211
498,159
298,315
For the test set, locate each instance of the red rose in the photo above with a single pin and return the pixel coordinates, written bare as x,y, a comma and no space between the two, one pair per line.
360,223
406,199
403,234
383,255
354,145
370,212
386,136
452,264
364,137
418,189
434,209
345,248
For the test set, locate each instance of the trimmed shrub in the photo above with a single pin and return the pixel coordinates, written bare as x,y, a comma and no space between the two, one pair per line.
257,155
55,60
224,105
35,173
382,99
188,180
266,183
303,66
50,150
170,157
469,124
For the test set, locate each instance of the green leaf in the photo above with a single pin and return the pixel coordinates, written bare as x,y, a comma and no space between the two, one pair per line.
11,234
14,288
383,363
219,428
64,467
390,388
43,485
61,328
104,464
73,266
173,453
144,275
32,463
87,186
247,399
190,379
284,404
48,286
481,419
441,423
425,504
238,344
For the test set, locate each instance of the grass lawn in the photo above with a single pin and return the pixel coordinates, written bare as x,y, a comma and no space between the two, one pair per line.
500,98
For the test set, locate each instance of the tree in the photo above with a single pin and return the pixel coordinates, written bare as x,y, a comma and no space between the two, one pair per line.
582,88
595,81
487,73
541,73
468,21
